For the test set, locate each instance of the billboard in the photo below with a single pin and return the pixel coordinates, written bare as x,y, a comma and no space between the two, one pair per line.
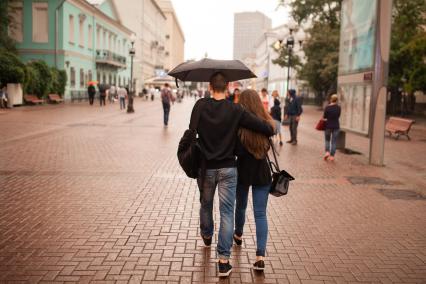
357,36
356,63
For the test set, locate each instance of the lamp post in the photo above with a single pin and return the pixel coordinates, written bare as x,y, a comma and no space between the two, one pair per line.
132,53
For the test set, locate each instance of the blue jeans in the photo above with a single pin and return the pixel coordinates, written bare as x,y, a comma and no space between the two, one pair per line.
166,108
226,181
122,103
260,201
331,136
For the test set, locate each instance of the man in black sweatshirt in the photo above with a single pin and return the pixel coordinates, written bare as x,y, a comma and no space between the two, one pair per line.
217,129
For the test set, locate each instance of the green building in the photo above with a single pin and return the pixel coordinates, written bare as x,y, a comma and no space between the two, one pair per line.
88,41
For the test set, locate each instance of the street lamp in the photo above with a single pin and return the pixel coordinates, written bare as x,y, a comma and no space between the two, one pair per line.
132,53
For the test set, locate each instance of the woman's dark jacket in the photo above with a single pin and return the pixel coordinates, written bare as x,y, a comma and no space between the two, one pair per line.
332,114
251,171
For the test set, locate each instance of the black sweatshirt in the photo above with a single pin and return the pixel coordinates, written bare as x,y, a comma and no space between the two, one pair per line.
218,127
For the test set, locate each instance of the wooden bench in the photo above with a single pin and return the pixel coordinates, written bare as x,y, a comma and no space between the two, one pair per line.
399,126
33,99
55,98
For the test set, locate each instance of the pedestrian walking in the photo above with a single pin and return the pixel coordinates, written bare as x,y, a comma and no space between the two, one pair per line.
276,115
236,98
294,111
332,127
166,100
3,96
217,129
91,91
122,95
253,171
102,94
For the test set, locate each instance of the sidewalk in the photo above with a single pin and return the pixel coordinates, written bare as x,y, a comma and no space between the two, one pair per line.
93,195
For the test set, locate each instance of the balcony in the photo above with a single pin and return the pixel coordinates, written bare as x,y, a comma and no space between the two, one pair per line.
110,58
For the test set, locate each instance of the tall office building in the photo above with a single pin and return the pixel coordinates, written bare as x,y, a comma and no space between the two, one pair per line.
248,28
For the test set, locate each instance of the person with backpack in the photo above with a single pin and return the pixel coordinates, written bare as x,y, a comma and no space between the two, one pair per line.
293,113
253,170
166,100
217,128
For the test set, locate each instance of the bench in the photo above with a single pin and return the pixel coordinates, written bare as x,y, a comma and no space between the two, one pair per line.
399,126
33,99
55,98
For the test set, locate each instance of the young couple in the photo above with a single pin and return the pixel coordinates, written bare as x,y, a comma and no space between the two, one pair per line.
225,130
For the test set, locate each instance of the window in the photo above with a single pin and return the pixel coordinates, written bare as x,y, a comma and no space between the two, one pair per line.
98,76
71,29
104,79
110,79
82,17
119,81
104,40
90,75
40,22
90,38
81,78
119,47
72,77
16,27
98,38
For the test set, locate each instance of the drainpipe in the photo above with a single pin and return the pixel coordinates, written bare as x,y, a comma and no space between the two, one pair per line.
57,30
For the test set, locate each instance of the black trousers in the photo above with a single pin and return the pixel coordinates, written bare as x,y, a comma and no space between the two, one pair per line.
91,99
293,127
102,100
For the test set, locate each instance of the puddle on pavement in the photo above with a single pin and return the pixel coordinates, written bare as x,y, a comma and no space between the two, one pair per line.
404,194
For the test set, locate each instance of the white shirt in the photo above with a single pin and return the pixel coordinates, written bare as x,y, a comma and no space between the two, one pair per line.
122,93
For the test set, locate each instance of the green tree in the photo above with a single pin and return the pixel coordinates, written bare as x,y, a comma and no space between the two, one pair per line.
12,70
322,45
41,78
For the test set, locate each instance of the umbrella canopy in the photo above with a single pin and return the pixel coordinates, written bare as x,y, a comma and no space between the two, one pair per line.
92,83
202,70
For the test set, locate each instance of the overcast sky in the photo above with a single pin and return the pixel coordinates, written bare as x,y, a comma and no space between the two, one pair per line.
208,25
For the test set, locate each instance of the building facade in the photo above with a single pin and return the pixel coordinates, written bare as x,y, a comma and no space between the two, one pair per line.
148,21
248,27
88,42
175,39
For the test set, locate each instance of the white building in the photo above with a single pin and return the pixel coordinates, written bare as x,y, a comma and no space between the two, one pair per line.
272,76
148,21
175,39
248,27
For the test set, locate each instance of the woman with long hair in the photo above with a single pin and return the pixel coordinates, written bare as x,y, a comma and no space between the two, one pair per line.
253,170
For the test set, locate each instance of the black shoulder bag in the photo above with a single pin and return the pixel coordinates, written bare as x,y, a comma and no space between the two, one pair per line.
280,178
189,150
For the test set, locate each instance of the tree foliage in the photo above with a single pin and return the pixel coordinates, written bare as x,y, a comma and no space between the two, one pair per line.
6,43
12,70
41,78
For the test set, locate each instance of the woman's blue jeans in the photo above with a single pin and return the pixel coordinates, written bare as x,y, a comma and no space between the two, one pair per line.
331,138
226,181
260,201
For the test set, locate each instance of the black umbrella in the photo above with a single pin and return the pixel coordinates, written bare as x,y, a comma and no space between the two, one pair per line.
202,70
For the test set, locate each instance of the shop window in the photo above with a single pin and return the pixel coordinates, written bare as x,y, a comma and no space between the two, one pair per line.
40,22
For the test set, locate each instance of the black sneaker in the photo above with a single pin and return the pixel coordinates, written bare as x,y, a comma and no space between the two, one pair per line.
207,241
238,242
224,269
259,265
281,143
289,141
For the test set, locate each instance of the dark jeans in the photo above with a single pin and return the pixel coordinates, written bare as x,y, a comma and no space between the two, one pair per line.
260,201
91,99
226,181
122,103
331,138
102,100
166,109
293,127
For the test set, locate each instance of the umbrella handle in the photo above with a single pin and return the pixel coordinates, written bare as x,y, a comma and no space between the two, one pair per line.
177,84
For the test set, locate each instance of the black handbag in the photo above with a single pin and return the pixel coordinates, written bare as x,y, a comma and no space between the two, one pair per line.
189,150
280,178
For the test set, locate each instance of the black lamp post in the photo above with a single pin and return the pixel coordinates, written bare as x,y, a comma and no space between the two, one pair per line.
132,53
289,44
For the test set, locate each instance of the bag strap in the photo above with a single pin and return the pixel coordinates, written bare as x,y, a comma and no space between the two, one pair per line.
196,115
273,166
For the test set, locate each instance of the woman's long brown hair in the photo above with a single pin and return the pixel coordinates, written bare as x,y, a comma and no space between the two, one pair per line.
255,143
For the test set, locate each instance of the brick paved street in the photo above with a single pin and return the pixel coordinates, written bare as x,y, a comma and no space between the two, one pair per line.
95,195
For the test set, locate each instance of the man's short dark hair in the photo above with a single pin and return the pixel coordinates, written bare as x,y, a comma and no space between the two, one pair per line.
218,83
166,85
264,90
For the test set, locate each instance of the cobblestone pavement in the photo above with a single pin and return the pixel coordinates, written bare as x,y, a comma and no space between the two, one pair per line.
96,195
